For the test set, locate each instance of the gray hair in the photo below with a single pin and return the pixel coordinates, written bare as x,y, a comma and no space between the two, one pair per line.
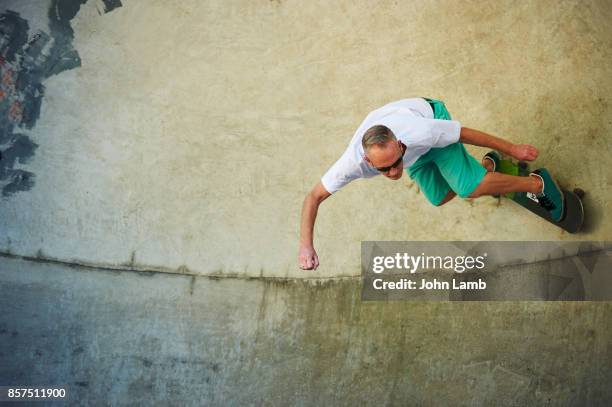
377,135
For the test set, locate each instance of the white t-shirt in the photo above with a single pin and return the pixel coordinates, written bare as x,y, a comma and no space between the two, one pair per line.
412,122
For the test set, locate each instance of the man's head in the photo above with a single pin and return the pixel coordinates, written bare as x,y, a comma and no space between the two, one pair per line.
384,151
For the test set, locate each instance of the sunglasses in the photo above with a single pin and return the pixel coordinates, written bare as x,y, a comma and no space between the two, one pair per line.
396,163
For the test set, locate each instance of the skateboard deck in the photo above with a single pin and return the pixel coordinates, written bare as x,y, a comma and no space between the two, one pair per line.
573,213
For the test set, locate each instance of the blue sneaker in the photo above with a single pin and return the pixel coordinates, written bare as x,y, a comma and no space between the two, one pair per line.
551,197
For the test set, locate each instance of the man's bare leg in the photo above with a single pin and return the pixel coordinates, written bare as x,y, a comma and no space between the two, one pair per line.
495,183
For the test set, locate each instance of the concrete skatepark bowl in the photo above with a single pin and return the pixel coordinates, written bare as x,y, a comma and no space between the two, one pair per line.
155,156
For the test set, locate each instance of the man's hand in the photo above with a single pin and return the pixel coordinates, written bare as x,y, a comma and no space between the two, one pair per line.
308,258
521,152
524,152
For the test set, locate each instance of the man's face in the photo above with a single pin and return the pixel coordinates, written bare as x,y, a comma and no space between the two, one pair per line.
386,156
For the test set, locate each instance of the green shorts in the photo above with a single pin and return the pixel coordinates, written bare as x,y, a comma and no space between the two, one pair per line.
441,170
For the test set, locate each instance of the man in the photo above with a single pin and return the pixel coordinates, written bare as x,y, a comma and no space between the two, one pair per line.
418,135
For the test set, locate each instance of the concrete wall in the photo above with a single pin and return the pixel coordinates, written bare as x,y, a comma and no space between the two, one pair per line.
121,338
183,136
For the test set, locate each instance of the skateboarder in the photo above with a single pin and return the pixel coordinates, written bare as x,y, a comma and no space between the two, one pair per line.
418,135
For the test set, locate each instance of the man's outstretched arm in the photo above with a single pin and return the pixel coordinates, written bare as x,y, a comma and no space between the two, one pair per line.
308,258
524,152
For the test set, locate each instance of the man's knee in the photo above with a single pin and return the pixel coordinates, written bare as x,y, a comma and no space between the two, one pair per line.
481,187
475,194
448,197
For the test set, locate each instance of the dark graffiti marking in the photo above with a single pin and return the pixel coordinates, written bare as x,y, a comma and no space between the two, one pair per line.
26,60
110,5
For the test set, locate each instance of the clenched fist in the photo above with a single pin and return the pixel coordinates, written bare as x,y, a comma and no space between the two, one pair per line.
308,258
524,152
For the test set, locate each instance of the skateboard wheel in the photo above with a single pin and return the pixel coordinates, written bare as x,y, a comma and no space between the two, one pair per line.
522,165
579,192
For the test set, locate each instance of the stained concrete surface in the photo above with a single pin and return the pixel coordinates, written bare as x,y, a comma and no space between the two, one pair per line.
122,338
191,131
184,141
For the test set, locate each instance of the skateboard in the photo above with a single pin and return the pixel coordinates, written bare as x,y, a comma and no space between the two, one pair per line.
573,212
